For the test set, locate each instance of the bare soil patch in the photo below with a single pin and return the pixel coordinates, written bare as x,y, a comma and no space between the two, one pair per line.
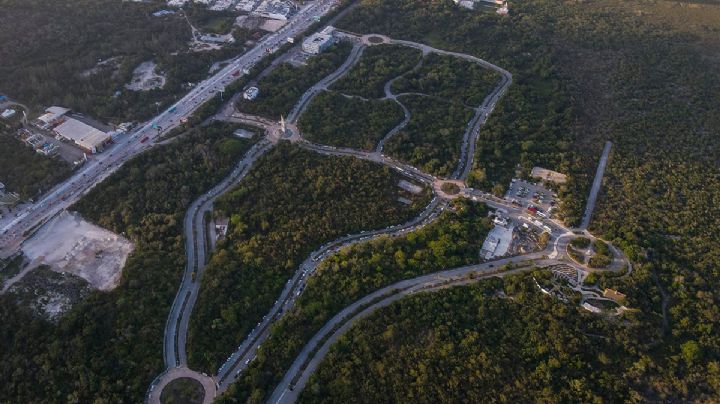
70,244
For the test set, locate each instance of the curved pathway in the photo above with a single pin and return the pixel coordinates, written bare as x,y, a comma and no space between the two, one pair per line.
174,351
319,345
467,149
326,82
176,327
315,350
389,95
246,351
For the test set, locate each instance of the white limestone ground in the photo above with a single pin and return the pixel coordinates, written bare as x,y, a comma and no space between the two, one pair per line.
70,244
145,78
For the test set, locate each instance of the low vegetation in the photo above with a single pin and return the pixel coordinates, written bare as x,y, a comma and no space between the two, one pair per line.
183,391
450,188
290,204
454,240
282,88
432,139
377,65
602,255
110,346
337,120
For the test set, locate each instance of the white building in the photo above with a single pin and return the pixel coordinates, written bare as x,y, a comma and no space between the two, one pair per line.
317,42
51,115
8,113
246,5
87,137
274,9
251,93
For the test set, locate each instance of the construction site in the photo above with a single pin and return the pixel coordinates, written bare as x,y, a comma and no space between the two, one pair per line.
69,244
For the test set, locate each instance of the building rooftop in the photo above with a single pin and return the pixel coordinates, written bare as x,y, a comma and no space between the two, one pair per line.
52,114
81,133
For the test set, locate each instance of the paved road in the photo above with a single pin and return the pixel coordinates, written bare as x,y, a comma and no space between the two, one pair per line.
318,346
595,190
179,372
315,350
311,356
15,230
389,95
326,82
246,351
467,149
178,320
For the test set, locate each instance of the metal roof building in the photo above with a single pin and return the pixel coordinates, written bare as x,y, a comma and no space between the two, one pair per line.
52,114
84,135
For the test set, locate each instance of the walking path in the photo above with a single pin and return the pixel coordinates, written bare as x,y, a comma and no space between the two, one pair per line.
595,190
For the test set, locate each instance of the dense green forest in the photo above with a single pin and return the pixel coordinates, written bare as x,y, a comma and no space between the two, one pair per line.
644,75
377,65
431,140
291,203
450,78
531,125
51,52
500,338
283,87
453,240
337,120
109,348
26,172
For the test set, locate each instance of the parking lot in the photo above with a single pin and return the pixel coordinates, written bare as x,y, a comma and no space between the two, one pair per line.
42,139
532,195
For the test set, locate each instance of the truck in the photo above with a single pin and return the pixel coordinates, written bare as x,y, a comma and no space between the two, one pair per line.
290,39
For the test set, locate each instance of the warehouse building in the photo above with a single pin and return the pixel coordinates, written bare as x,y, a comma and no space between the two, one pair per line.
88,138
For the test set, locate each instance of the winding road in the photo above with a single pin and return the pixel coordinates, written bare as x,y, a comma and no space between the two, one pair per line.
312,354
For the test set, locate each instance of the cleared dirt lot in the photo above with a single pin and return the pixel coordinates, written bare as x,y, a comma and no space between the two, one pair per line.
70,244
145,78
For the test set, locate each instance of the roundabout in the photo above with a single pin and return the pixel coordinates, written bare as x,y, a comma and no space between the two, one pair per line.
168,383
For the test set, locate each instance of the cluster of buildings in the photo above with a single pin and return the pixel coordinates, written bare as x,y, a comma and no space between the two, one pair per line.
275,9
272,9
86,134
501,6
319,41
37,142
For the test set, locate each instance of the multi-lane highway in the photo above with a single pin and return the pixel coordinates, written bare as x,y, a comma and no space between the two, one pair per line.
15,229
